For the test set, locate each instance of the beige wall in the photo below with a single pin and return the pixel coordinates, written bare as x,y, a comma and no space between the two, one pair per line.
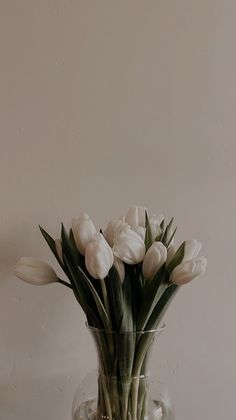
104,104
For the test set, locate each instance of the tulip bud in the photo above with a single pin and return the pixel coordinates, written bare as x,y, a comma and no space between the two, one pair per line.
111,229
155,222
119,265
191,249
136,216
59,249
99,257
35,272
155,231
156,219
188,270
84,231
154,259
129,246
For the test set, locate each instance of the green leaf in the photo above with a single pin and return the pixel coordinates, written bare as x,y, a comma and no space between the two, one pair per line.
137,290
81,261
161,306
102,339
116,297
81,281
75,284
146,339
162,225
127,319
177,259
80,257
127,336
67,246
158,237
161,229
71,261
171,238
126,353
148,235
165,235
100,307
93,320
51,243
153,291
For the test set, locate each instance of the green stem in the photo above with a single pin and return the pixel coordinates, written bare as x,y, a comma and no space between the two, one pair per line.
134,396
106,301
106,397
144,345
107,307
64,283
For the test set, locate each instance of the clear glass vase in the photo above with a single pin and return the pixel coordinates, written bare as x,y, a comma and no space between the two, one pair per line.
122,388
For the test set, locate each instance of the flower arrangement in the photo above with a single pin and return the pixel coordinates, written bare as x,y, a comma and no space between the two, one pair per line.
124,279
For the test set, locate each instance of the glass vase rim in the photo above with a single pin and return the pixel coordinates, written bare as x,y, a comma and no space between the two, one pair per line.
159,329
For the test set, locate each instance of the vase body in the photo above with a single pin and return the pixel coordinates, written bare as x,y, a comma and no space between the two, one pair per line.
123,380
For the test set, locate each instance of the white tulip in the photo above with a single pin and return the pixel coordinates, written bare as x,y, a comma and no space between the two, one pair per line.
58,247
129,246
35,272
155,222
154,259
155,231
99,257
140,231
156,219
111,229
136,216
191,249
119,265
188,270
84,231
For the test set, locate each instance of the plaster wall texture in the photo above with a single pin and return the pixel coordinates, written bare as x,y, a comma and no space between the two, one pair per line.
106,104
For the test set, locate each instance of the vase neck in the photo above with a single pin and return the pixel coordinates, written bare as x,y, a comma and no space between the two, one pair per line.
123,354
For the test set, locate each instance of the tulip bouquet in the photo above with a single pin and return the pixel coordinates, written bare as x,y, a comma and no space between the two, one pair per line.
124,278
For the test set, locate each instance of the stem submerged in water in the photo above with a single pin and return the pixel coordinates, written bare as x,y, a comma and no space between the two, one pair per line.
123,379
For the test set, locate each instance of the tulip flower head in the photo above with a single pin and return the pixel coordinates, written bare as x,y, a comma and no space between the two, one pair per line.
154,259
112,228
156,219
99,257
191,249
189,270
84,231
155,222
35,272
136,216
129,246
